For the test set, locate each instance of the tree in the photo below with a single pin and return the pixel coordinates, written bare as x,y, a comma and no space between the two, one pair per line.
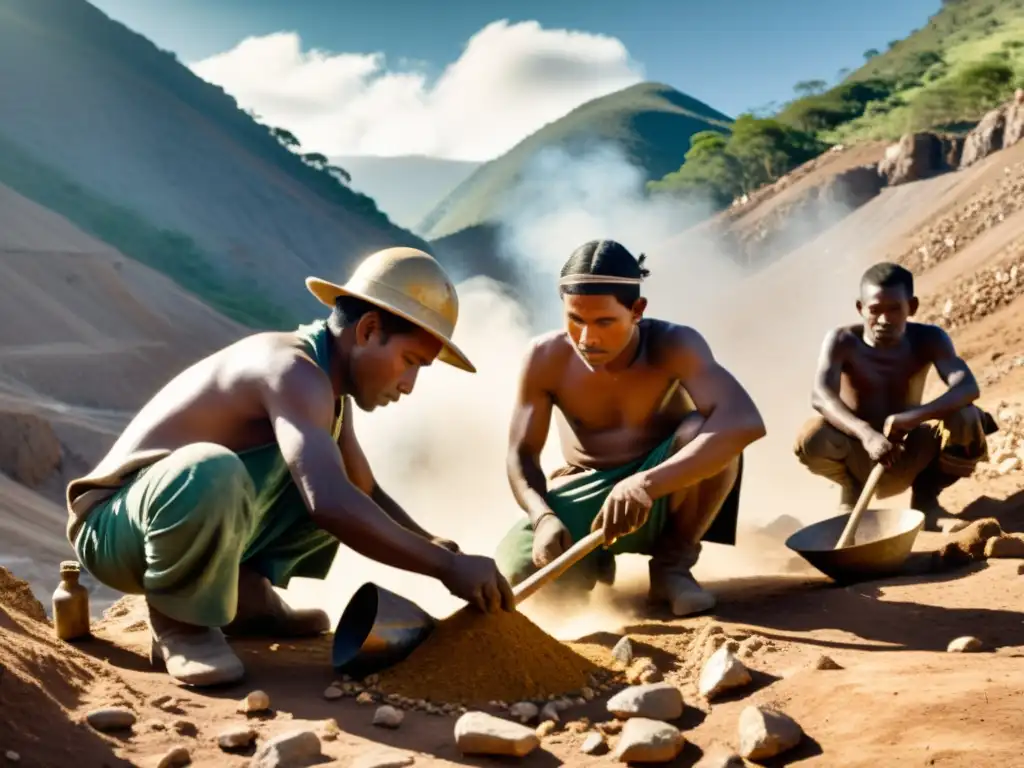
316,160
842,74
807,88
870,53
339,173
286,138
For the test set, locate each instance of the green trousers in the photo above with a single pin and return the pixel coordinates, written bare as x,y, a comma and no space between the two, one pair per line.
576,504
178,530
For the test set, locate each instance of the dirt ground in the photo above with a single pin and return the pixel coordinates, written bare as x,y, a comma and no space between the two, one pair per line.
898,699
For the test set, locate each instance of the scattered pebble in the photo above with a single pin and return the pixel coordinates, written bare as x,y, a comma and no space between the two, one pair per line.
367,698
160,701
524,711
722,672
388,717
648,741
655,701
720,758
176,757
594,744
484,734
12,756
766,732
623,650
825,662
965,644
236,737
256,701
331,730
288,749
384,758
111,719
545,729
1007,545
331,693
550,712
587,693
156,725
642,670
184,728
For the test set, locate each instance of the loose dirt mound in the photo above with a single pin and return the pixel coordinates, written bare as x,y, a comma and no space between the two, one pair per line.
17,595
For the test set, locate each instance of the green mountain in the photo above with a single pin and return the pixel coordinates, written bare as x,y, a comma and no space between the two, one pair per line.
120,138
652,123
967,58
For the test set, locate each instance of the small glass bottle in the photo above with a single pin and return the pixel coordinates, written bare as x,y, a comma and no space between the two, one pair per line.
70,604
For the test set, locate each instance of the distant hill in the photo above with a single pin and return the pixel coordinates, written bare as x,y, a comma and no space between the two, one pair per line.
126,142
650,122
406,188
965,59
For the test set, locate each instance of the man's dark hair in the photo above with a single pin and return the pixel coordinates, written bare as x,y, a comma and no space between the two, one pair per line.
888,275
348,310
604,257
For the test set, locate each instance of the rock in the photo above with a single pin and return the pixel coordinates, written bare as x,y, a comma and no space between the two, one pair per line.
965,644
478,733
12,756
723,672
610,728
917,156
388,717
594,744
643,670
825,662
176,757
623,650
1008,465
985,138
648,741
524,711
367,698
853,188
1007,545
160,701
587,693
550,712
720,758
545,729
656,701
256,701
184,728
288,749
30,450
237,737
765,732
383,758
331,693
1014,131
111,719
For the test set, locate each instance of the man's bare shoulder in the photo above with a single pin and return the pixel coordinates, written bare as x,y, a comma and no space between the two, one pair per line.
844,337
279,362
669,343
546,357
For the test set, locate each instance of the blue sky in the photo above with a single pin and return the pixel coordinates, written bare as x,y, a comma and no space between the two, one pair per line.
732,54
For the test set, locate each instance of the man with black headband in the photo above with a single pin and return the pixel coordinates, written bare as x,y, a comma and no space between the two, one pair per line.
653,434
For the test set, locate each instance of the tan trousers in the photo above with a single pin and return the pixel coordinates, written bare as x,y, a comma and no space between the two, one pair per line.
957,444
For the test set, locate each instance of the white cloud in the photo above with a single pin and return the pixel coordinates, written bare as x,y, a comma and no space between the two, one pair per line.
510,80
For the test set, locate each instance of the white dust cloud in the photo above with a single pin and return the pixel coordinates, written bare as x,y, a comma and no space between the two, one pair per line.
510,80
441,453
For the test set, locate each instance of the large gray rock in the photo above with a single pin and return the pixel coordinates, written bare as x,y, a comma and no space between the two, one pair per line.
648,741
919,156
766,732
657,701
985,138
478,733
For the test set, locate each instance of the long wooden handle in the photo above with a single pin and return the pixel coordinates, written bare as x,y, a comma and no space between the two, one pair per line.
558,566
862,503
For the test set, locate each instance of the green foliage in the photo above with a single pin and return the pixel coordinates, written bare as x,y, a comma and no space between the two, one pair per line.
965,96
839,105
172,253
722,167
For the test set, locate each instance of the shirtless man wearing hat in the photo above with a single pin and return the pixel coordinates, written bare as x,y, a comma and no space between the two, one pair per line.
653,433
244,471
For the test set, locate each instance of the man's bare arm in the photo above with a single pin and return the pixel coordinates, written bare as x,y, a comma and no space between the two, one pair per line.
732,420
956,375
825,392
300,405
359,471
531,420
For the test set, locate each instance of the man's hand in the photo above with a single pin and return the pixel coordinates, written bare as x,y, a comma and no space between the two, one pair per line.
626,509
476,580
899,425
881,450
550,539
451,546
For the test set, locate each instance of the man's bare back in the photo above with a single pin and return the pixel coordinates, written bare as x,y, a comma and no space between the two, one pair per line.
220,399
611,418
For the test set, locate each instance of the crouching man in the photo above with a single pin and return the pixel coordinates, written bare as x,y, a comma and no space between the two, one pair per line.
244,471
656,474
868,392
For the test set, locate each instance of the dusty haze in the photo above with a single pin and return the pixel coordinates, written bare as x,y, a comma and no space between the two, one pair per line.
441,453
